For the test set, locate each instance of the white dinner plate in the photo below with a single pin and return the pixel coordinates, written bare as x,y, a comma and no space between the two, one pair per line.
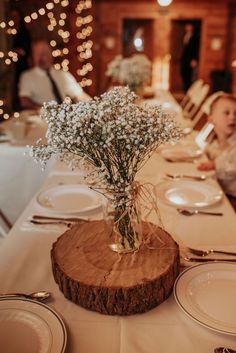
206,293
186,193
181,152
30,327
70,199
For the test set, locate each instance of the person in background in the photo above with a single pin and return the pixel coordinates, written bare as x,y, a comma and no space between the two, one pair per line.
222,151
22,46
43,83
189,58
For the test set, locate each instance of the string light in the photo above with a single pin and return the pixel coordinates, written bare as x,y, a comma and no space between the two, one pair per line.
84,30
84,49
10,57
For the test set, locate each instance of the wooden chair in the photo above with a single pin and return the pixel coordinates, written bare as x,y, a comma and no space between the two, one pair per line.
191,91
204,110
195,102
5,224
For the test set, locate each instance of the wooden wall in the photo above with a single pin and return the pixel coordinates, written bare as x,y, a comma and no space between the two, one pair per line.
218,19
217,22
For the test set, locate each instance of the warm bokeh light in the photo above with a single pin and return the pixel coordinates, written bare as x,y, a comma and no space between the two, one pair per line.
56,23
164,2
27,19
42,11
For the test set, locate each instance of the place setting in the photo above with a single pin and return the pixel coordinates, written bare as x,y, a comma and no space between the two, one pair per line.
65,205
189,197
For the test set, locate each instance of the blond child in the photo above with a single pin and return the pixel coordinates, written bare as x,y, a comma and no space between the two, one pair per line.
222,151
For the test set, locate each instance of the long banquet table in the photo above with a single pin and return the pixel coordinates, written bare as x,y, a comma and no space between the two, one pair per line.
25,266
18,171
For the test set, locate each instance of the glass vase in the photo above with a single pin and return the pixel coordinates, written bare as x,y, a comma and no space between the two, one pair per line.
137,89
123,225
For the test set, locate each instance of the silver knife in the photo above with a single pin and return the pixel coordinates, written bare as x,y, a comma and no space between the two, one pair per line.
195,259
67,219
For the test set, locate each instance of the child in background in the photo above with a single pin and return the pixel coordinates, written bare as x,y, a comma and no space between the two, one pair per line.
222,151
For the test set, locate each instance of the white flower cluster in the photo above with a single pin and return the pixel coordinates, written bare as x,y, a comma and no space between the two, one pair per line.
113,68
134,71
110,133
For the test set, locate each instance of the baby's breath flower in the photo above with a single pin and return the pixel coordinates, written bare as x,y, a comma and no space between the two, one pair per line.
109,136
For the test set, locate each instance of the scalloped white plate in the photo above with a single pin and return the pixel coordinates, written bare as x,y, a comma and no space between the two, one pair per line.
70,199
30,327
186,193
206,293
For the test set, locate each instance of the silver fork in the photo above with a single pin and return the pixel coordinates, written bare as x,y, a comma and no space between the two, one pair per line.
204,253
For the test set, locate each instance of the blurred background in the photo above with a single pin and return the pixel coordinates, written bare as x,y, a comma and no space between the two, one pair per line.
86,35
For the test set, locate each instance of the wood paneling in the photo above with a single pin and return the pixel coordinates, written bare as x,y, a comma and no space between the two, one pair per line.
214,17
108,23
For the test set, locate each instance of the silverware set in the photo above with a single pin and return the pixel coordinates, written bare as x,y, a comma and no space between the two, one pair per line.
202,255
187,212
186,176
200,259
47,220
38,296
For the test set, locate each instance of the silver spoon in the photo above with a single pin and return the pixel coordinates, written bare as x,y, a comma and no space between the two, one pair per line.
210,252
194,212
39,296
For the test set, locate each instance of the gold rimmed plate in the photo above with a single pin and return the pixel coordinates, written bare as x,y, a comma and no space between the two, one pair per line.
206,293
36,327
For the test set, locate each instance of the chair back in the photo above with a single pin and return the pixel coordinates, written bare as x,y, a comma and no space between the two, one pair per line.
190,92
204,110
195,102
5,224
200,95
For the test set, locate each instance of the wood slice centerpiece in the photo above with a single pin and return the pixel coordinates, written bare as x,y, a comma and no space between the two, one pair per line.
90,274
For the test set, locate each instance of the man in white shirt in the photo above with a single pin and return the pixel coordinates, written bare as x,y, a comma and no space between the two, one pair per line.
43,83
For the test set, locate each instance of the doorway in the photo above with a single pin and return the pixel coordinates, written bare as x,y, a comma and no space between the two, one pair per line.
176,50
138,37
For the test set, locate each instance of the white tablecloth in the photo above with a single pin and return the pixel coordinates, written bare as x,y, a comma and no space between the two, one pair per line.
25,266
20,176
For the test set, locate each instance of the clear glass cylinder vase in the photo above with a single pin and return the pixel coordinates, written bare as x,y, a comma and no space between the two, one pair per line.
123,225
